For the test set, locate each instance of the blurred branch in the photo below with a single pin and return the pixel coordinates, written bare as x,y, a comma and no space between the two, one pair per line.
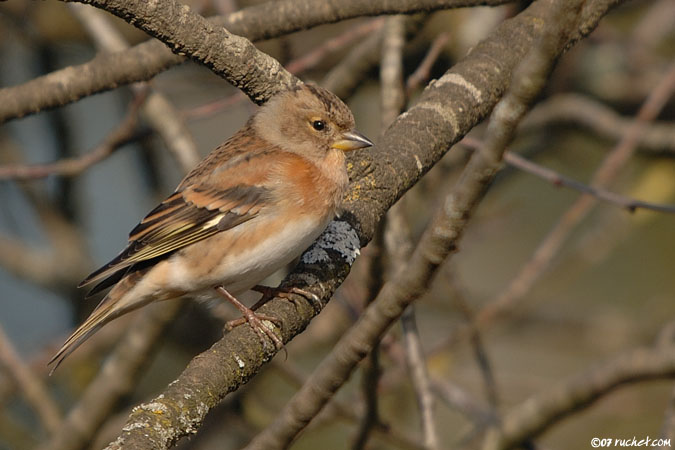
123,134
14,434
210,108
388,435
437,243
157,109
118,377
370,419
668,428
654,26
409,148
578,110
371,371
57,267
308,61
32,388
557,179
391,70
344,78
38,265
608,170
455,397
423,71
399,248
458,399
419,376
539,413
38,363
392,101
397,240
312,58
144,61
355,66
458,297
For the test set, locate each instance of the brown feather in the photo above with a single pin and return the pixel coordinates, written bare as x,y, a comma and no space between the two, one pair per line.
192,213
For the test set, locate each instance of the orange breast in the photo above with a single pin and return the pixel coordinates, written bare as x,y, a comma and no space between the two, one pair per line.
313,188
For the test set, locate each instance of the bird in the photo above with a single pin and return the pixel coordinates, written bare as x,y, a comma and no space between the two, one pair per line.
249,208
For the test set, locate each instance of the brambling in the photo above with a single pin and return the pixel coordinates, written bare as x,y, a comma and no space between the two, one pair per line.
250,207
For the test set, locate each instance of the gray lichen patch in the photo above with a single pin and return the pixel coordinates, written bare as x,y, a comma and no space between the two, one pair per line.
340,237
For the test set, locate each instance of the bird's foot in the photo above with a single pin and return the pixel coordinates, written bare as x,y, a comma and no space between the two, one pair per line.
254,319
268,293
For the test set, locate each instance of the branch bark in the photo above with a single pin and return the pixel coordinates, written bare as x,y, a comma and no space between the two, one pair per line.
446,111
142,62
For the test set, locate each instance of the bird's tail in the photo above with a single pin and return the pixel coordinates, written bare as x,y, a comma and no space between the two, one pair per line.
113,305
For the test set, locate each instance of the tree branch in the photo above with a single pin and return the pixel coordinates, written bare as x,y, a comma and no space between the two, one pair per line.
142,62
537,414
436,244
446,111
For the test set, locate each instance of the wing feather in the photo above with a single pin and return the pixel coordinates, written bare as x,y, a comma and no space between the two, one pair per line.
182,219
229,187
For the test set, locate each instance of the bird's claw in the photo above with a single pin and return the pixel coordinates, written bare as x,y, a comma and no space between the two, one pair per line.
255,320
268,293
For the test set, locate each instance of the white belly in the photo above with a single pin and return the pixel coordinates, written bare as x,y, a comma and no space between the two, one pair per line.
240,270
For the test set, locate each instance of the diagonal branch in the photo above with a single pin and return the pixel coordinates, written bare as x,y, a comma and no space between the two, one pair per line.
185,32
436,244
69,167
550,246
558,179
144,61
446,111
539,413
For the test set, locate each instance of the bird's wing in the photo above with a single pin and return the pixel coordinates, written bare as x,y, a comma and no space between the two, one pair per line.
185,217
229,187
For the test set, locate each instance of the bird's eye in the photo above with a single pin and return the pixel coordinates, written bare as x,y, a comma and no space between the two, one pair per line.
319,125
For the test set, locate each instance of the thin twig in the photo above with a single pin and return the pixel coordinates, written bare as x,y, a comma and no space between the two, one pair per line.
458,399
582,111
157,109
558,179
68,167
608,170
399,246
480,353
210,108
423,71
346,410
419,376
296,66
540,412
315,56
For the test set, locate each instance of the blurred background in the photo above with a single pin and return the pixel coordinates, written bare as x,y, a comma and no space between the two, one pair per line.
608,289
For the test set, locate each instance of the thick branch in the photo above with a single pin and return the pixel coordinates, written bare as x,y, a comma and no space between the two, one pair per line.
446,111
185,32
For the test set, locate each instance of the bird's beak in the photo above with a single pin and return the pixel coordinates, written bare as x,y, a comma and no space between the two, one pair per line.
352,140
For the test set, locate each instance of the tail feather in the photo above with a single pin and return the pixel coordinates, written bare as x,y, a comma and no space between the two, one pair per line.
111,307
